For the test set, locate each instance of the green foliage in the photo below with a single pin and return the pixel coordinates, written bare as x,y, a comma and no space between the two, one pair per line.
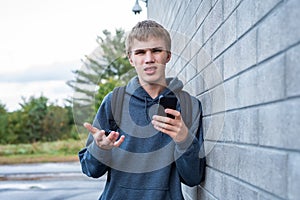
67,147
104,89
3,123
34,112
107,61
105,68
36,121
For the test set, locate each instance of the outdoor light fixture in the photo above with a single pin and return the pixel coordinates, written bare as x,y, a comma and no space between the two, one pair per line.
137,8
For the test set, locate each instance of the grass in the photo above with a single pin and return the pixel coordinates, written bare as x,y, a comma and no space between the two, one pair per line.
58,151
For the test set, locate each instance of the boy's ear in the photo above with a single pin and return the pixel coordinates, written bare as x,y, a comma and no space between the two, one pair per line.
169,56
130,60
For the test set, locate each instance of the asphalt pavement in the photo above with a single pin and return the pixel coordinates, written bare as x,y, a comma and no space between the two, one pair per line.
48,181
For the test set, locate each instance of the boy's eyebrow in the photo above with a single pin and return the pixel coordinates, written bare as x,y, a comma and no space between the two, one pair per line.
144,49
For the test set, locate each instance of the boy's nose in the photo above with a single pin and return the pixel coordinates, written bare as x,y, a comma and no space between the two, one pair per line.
149,57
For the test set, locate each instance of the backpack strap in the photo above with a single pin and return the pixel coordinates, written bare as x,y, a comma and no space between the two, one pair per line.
186,107
117,104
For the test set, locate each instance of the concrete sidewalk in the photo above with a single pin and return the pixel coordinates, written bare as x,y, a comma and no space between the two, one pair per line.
48,181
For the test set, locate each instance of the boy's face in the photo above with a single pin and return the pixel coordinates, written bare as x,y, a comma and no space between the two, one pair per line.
149,59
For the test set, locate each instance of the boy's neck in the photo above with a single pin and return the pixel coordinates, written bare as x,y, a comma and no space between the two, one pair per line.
154,89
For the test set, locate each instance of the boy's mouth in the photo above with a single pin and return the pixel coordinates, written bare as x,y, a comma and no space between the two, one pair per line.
150,70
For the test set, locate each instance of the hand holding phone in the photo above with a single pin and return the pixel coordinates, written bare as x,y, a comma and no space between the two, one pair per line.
165,102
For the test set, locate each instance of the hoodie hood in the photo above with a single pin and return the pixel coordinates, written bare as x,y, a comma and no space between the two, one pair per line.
141,105
134,88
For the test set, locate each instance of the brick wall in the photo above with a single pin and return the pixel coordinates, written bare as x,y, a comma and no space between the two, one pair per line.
241,58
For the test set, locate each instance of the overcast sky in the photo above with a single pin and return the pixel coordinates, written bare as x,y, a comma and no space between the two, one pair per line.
42,41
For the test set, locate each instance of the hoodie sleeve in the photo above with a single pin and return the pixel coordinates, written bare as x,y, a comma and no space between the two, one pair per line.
94,160
190,153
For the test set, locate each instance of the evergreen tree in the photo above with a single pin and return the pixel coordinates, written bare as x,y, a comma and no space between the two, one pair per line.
105,68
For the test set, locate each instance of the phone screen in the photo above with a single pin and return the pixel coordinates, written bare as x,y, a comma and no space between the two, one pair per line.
167,102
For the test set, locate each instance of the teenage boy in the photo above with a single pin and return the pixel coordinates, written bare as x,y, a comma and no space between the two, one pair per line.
146,156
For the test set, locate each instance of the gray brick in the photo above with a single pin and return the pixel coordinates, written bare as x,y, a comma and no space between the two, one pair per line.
203,11
248,89
213,177
187,53
270,80
198,37
189,72
235,189
245,16
194,47
218,99
293,71
213,127
230,130
247,46
217,153
212,75
264,84
225,36
206,100
241,126
179,15
228,188
279,124
280,30
176,9
231,66
241,56
231,157
190,17
186,17
231,93
262,8
211,150
213,21
265,169
203,57
290,24
204,195
294,176
197,84
229,7
178,43
266,196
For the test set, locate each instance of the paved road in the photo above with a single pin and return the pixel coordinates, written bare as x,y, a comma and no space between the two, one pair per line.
49,181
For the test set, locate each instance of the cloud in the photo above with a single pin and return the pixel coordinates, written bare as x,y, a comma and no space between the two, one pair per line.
56,91
53,72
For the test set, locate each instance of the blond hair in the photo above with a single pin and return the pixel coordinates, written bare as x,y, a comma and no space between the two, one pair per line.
144,30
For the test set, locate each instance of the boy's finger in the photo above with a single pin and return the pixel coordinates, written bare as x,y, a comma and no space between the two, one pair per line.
120,141
90,128
113,136
175,113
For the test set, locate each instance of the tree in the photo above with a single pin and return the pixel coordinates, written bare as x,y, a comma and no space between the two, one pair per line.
107,61
3,123
104,89
33,113
106,66
56,124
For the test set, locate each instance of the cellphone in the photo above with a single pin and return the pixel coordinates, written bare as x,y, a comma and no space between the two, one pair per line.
164,102
107,132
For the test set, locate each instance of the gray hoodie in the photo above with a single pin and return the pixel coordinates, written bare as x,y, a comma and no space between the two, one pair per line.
148,164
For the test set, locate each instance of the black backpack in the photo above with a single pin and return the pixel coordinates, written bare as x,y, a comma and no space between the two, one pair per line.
184,100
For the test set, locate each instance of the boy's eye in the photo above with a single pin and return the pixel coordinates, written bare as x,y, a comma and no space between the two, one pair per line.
156,50
143,51
140,52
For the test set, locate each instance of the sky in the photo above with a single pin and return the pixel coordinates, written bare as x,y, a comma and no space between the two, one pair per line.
43,41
